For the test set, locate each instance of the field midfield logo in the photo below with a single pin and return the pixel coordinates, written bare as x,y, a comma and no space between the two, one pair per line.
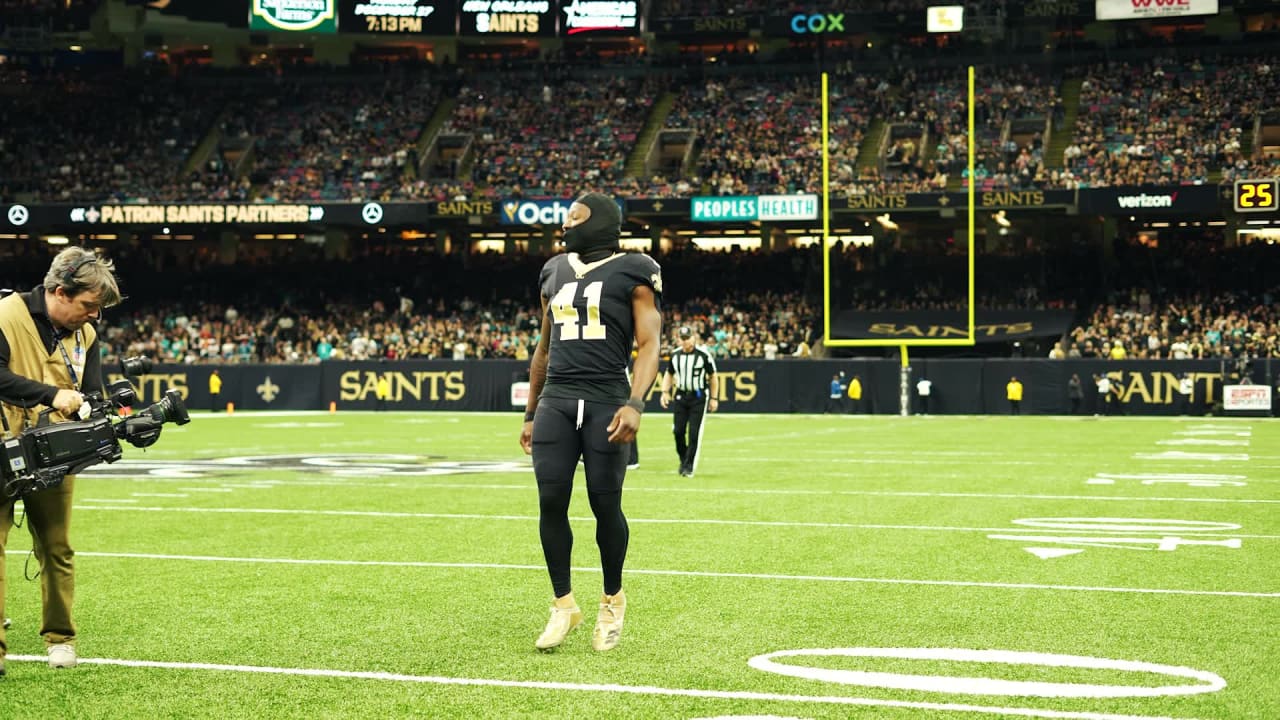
337,467
1206,682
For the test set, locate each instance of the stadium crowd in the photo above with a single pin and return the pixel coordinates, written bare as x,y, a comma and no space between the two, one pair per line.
283,308
304,133
1168,122
1194,300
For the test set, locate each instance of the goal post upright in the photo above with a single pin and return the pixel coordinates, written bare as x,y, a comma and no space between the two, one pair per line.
903,343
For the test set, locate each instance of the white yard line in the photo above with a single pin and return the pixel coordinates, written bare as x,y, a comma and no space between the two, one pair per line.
606,688
675,573
652,521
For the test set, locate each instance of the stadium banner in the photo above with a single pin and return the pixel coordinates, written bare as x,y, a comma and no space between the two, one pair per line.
398,17
1143,199
464,208
1031,9
1139,387
785,385
989,325
658,206
987,199
600,18
36,218
1246,397
710,26
537,212
808,24
749,208
294,16
527,18
1153,9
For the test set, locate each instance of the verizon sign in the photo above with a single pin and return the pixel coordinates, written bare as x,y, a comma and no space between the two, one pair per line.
1143,200
1146,9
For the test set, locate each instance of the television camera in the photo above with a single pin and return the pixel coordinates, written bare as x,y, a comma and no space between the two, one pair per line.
40,457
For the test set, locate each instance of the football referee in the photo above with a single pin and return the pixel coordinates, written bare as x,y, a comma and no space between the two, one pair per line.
692,372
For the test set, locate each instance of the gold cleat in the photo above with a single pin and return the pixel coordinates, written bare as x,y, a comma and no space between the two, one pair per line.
609,621
565,616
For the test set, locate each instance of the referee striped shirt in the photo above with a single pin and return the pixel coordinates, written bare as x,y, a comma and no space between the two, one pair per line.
691,370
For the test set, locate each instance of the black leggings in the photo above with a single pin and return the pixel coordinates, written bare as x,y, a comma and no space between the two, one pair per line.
563,431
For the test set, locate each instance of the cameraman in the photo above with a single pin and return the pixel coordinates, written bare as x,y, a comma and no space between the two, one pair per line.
48,354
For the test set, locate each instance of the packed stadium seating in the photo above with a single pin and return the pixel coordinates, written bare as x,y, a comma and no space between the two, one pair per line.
293,133
551,125
1167,122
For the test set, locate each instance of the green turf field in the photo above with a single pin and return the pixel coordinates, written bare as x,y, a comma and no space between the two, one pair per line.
387,565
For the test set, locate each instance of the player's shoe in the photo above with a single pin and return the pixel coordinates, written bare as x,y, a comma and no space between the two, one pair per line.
633,466
609,621
62,655
565,616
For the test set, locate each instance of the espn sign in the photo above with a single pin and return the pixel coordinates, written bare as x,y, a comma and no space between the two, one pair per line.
1246,397
1147,9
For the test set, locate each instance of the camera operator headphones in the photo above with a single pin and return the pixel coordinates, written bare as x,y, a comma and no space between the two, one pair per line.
69,277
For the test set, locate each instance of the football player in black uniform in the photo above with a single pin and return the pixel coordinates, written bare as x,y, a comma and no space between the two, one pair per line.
595,300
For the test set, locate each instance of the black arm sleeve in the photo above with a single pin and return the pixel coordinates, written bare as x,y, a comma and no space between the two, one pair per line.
92,381
18,390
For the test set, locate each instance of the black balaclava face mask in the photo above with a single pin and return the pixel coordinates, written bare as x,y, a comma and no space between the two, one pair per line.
598,236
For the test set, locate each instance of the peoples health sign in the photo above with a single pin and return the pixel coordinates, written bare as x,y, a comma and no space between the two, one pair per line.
1145,9
747,208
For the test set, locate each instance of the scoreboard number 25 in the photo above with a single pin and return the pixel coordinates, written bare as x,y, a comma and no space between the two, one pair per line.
1257,195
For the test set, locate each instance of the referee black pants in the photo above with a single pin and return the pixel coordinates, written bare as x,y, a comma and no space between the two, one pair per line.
689,409
563,431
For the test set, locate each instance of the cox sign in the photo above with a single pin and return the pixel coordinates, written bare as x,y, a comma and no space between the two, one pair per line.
817,23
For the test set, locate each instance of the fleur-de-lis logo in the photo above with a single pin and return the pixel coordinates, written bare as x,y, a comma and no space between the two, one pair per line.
268,390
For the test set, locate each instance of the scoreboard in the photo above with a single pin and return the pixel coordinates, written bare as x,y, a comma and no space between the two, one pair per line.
1252,196
398,17
451,18
530,18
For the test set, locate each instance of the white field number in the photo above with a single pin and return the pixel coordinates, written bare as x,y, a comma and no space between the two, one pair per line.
1167,543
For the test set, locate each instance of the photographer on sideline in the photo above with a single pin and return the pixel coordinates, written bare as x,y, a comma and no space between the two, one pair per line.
48,354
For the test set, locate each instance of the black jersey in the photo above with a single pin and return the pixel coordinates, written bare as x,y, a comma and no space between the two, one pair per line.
591,323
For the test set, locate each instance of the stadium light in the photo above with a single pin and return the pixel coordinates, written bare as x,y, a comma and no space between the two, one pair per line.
886,222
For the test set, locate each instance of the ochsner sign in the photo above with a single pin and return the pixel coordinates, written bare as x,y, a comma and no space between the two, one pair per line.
1144,9
535,212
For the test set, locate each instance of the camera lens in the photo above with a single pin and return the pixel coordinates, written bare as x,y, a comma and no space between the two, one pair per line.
172,409
134,366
